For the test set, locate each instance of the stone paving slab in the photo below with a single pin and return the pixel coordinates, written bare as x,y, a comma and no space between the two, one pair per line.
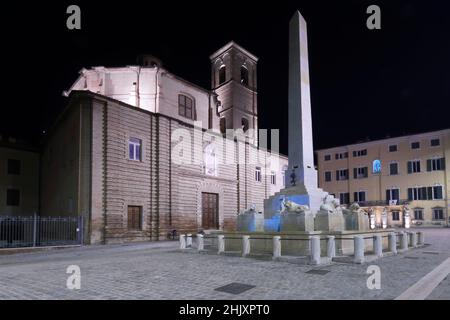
159,270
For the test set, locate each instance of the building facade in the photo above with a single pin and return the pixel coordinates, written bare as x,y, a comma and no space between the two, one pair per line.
115,154
389,173
19,178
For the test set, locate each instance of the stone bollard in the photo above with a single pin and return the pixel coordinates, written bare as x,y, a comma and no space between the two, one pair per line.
413,238
359,249
404,240
276,247
220,243
331,247
421,240
182,241
315,250
245,245
200,242
378,245
393,242
188,240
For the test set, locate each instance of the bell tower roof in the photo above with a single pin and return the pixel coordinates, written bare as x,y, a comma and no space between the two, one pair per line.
229,46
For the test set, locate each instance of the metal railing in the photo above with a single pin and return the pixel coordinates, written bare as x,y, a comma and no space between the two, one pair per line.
33,231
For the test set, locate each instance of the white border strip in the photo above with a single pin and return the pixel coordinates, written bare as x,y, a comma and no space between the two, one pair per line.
423,288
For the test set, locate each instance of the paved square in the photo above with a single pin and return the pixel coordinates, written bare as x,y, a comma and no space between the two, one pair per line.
158,270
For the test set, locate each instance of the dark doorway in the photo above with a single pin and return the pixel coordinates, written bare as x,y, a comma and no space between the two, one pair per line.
210,210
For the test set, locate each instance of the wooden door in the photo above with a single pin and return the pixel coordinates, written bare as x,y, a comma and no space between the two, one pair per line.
210,211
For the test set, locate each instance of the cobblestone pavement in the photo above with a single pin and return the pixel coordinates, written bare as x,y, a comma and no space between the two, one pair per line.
159,271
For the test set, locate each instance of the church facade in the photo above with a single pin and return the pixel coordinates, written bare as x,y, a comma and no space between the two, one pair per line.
139,152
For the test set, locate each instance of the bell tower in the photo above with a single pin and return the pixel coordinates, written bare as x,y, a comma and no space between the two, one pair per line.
233,79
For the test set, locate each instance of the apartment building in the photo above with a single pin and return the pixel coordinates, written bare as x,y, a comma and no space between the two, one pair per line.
390,173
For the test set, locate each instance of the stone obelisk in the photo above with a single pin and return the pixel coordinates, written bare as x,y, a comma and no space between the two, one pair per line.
301,170
301,176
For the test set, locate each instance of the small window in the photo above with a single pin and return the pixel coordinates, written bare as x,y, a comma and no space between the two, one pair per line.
360,153
395,216
436,164
244,123
13,197
186,107
344,198
327,157
393,168
134,218
418,214
327,176
222,74
342,155
414,166
342,175
437,193
360,173
392,194
13,166
258,174
415,145
134,149
273,178
359,196
244,75
393,148
435,142
438,214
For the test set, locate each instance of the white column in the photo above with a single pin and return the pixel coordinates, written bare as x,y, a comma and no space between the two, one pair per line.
220,243
421,241
404,240
245,245
189,240
378,245
331,247
182,241
393,242
200,242
315,249
276,247
359,249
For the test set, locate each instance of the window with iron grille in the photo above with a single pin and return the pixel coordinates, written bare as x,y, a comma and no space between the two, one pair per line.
134,218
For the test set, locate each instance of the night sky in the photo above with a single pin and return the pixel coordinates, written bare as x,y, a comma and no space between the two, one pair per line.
364,84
